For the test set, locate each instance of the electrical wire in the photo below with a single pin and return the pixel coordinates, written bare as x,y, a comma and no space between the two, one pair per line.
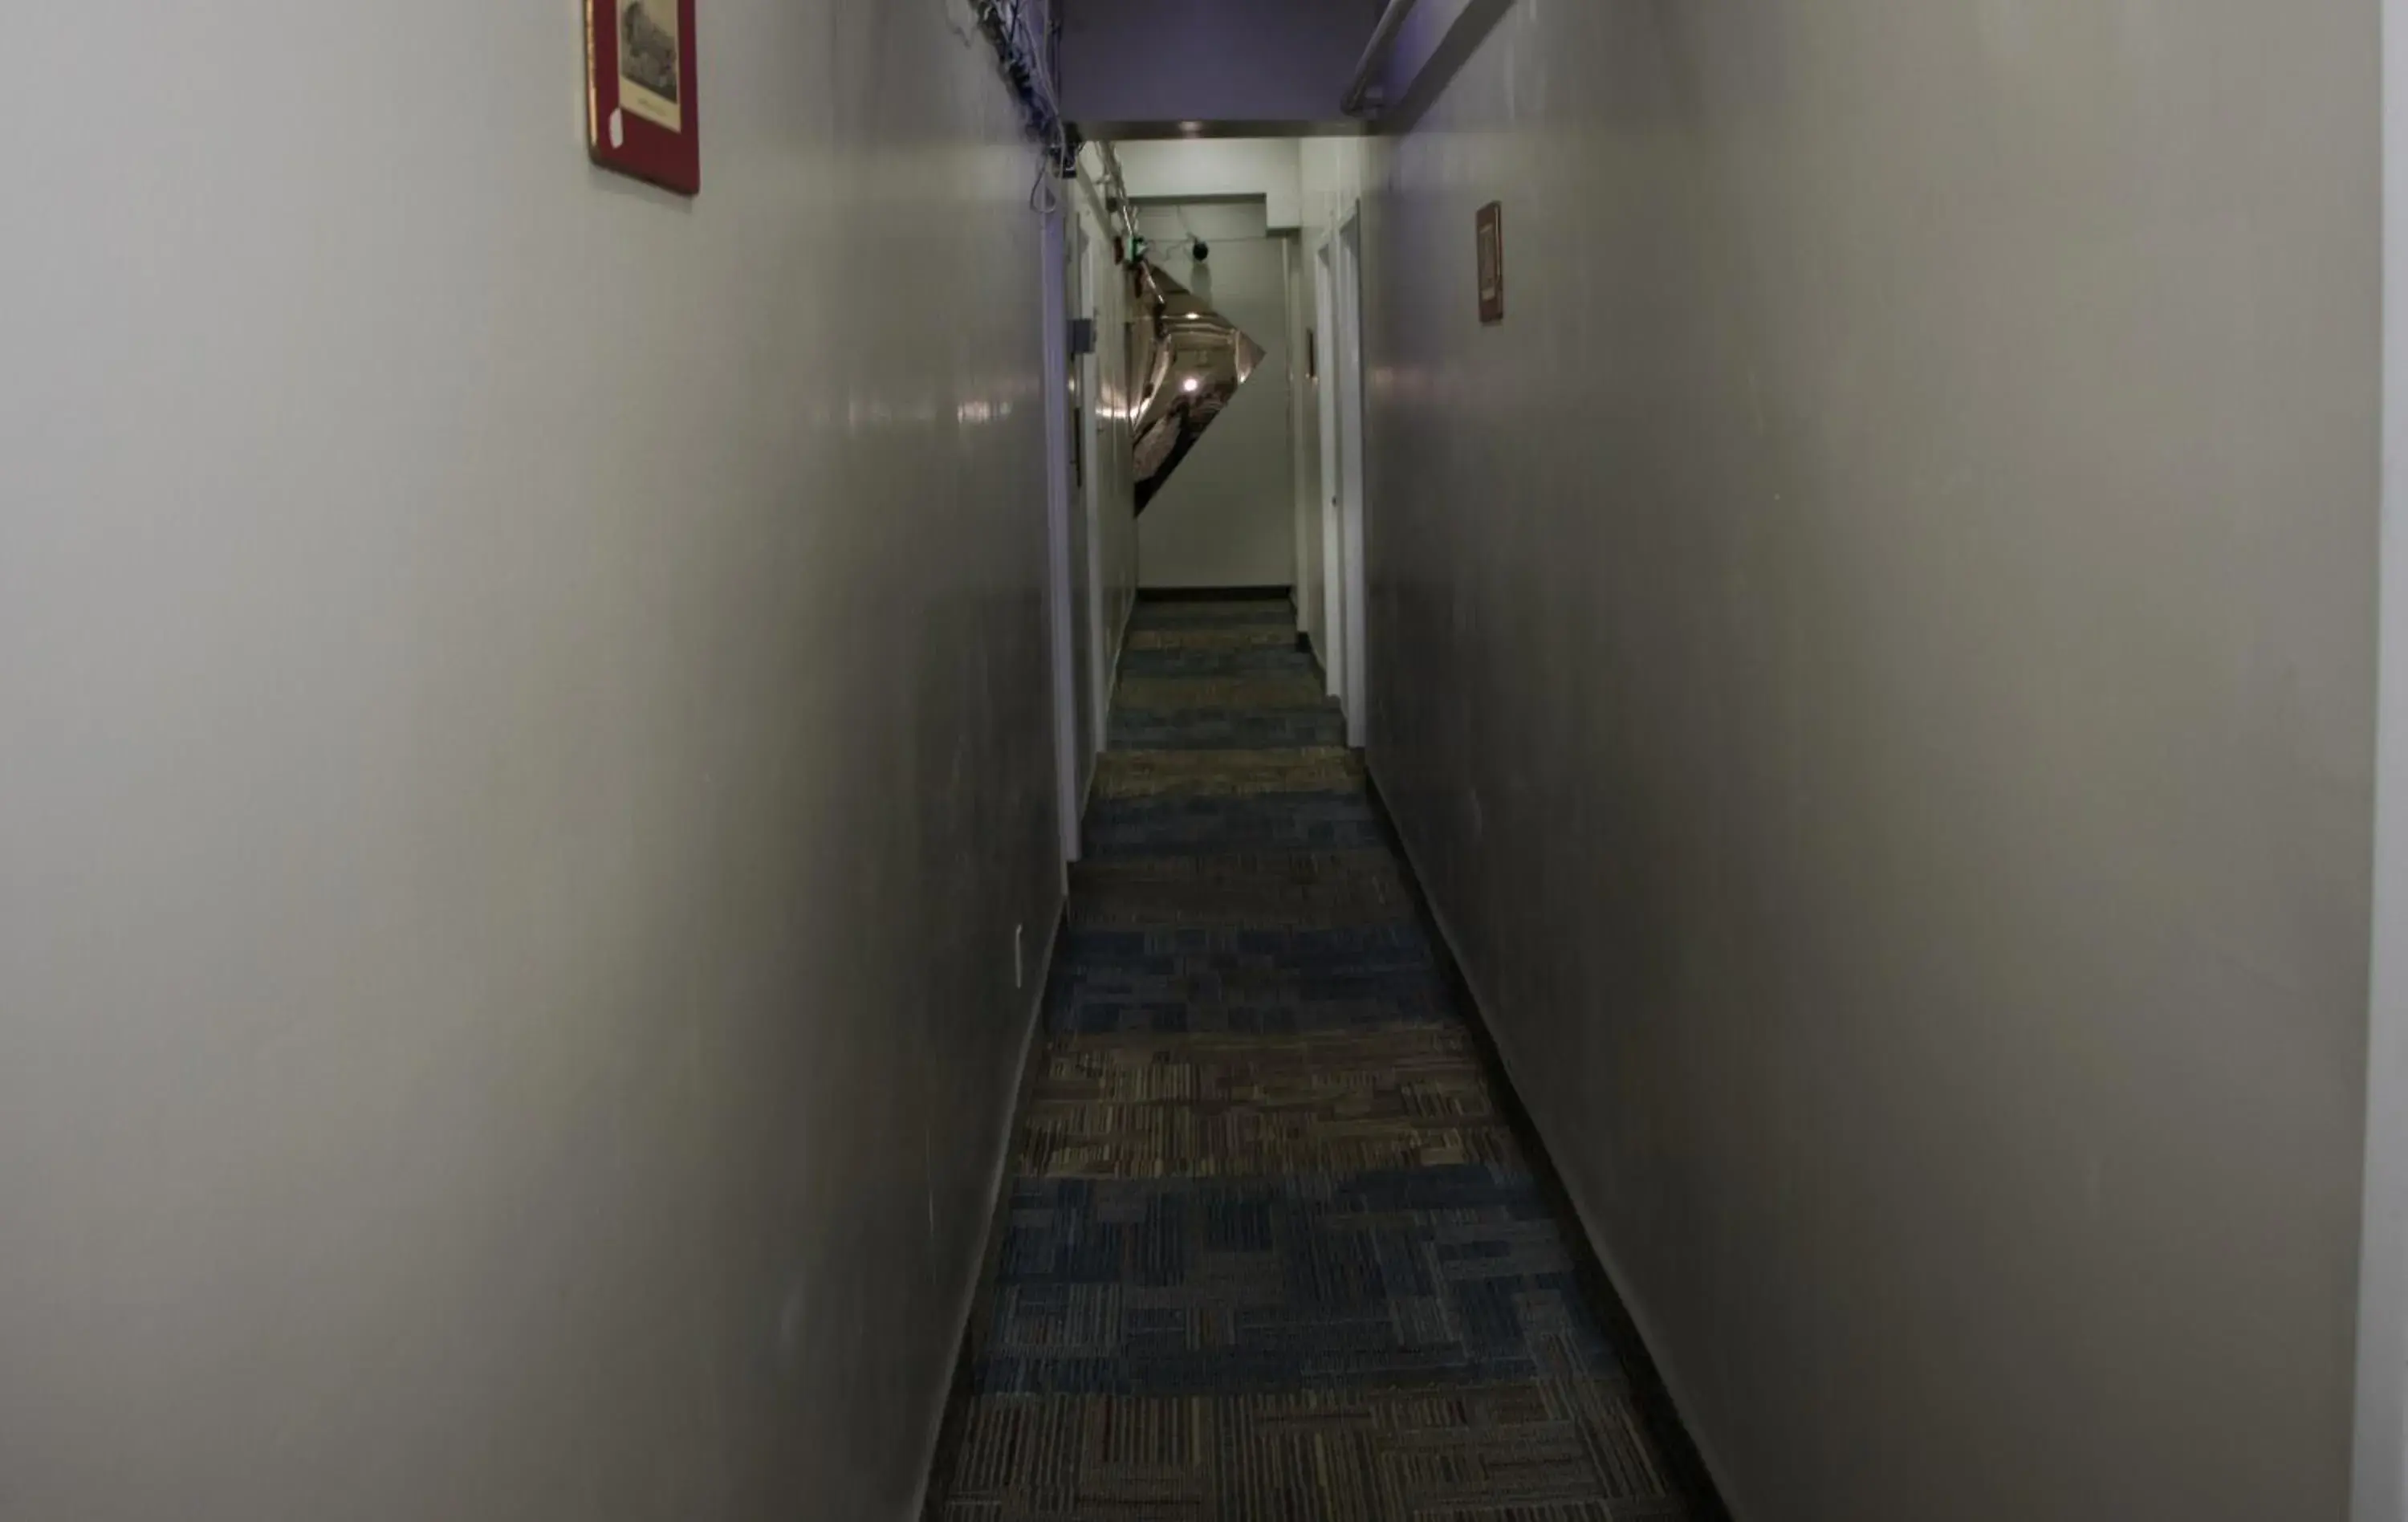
1027,49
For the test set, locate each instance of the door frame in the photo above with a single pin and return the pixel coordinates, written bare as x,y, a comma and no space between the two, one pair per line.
1338,300
1352,489
1094,271
1054,272
1333,556
2380,1488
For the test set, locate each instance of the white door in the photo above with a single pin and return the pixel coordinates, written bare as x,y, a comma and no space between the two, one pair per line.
1333,558
1349,472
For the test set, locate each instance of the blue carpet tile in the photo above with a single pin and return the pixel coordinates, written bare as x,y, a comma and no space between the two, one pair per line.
1273,1252
1214,826
1202,729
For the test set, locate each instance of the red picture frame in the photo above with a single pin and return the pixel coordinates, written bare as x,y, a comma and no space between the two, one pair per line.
640,95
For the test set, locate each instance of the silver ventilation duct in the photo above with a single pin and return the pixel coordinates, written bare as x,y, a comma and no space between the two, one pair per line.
1190,361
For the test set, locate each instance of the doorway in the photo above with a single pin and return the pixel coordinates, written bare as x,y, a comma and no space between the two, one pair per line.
1339,305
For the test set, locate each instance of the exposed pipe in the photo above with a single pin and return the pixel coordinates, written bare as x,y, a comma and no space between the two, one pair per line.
1375,56
1119,217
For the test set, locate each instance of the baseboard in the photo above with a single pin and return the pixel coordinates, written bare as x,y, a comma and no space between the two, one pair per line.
1212,594
1111,696
944,1444
1658,1395
1303,638
1304,644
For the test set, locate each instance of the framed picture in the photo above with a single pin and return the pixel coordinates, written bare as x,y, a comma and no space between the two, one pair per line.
1492,262
639,90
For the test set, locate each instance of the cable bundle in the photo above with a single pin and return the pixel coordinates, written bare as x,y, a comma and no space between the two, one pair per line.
1028,43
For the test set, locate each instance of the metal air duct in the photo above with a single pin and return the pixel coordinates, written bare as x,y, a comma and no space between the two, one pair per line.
1190,361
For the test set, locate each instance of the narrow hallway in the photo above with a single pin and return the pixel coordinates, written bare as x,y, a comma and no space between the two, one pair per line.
648,874
1274,1249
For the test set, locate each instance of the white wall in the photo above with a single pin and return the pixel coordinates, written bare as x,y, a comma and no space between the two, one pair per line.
1225,518
523,746
1204,168
1875,662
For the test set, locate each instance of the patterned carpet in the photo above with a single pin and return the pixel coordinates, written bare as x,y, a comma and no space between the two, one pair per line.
1274,1253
